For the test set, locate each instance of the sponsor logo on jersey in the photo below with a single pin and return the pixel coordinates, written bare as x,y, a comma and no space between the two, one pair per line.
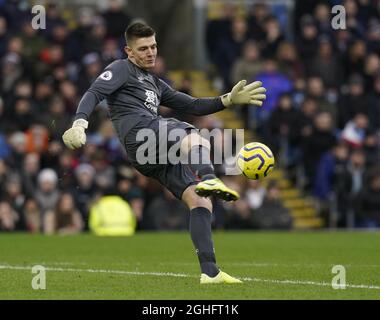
151,101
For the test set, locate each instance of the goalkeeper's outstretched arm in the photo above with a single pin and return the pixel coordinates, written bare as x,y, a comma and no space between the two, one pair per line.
251,94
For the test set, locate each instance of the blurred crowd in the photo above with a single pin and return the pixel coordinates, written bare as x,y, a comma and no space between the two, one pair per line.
322,116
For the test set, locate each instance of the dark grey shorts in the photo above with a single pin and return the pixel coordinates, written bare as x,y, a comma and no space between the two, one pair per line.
175,177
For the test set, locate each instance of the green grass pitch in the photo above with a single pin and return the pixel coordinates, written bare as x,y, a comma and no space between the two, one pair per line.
273,265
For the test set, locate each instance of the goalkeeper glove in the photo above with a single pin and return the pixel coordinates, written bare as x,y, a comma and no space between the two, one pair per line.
75,137
241,93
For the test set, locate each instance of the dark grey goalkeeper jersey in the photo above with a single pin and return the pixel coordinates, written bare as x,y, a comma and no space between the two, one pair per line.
134,95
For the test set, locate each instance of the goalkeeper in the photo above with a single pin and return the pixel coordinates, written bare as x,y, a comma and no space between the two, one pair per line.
134,95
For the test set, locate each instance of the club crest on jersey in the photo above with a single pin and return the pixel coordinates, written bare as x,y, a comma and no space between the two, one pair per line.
106,75
151,101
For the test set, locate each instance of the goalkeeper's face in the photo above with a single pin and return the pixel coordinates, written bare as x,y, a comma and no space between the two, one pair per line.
142,52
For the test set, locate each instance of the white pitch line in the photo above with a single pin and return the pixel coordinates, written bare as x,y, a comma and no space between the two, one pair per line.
313,283
136,273
183,275
272,264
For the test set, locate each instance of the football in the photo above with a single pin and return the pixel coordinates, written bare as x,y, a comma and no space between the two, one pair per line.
255,160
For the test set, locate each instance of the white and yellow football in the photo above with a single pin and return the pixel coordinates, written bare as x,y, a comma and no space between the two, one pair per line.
255,160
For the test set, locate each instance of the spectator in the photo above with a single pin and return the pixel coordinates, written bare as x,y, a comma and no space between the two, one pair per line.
129,191
5,126
238,215
354,132
3,35
3,175
62,37
257,15
16,45
354,102
248,65
105,175
325,65
299,92
352,22
374,104
322,15
112,216
289,63
368,204
319,140
89,150
51,158
116,19
32,215
63,72
373,36
276,84
47,193
17,142
316,90
273,36
43,93
37,139
166,213
5,150
371,148
217,29
342,38
160,70
65,219
30,170
23,89
11,71
356,58
23,116
282,126
80,33
331,165
8,217
92,69
371,70
348,184
53,18
33,43
14,196
69,94
56,120
95,38
228,49
307,42
272,214
51,57
85,190
108,141
111,51
255,194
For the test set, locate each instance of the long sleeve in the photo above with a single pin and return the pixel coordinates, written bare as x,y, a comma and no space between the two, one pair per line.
180,101
112,78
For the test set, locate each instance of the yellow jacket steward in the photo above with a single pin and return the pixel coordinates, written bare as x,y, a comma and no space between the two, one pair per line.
112,216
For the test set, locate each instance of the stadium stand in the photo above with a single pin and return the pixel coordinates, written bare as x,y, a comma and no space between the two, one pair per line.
321,118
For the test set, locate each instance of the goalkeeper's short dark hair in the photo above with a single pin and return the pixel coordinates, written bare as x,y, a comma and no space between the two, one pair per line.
138,29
